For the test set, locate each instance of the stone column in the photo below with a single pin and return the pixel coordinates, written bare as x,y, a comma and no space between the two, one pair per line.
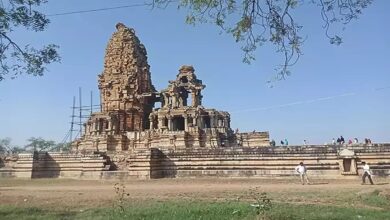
122,121
200,122
151,125
220,123
170,124
174,101
194,102
225,122
104,125
95,126
165,101
185,122
87,128
115,124
212,120
353,166
109,127
100,125
140,124
160,122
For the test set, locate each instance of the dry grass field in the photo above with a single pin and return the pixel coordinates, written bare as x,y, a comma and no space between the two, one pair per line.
164,198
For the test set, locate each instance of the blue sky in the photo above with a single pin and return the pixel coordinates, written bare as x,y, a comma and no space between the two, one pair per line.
333,90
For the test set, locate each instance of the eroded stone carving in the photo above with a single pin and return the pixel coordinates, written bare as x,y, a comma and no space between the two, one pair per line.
128,121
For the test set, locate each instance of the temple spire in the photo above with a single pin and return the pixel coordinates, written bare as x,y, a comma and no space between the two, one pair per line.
126,74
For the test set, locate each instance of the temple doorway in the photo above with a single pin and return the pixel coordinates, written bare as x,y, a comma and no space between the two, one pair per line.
178,123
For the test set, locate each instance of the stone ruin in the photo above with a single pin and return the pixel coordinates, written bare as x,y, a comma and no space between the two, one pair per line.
128,119
130,138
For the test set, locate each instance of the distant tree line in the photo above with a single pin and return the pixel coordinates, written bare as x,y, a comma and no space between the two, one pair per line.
33,144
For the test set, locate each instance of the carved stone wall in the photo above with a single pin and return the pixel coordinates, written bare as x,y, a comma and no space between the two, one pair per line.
125,85
128,121
321,161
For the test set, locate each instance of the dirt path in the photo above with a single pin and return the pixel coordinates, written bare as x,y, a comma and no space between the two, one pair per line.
61,193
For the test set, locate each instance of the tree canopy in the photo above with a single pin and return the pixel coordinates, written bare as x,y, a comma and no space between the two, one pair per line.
6,147
256,22
252,23
16,59
33,144
39,144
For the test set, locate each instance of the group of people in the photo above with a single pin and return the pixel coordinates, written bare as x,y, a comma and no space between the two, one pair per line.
367,141
302,171
284,142
341,141
355,141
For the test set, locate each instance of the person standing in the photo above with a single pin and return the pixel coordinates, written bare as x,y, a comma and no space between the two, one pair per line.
286,141
342,141
301,169
366,173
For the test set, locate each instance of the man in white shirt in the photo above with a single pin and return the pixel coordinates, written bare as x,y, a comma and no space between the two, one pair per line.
366,173
301,169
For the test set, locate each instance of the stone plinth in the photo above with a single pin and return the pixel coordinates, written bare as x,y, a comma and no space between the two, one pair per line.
56,165
321,161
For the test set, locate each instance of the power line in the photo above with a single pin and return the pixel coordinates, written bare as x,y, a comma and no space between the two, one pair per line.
305,101
99,9
152,5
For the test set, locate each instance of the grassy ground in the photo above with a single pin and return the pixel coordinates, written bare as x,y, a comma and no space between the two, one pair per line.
191,199
198,210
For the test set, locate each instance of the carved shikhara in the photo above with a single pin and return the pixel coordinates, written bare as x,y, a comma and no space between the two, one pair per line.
128,119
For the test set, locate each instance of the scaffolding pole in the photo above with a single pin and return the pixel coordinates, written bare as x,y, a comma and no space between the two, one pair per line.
91,102
79,118
80,102
71,125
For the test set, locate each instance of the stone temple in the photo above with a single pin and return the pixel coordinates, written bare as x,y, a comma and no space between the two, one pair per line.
131,138
128,119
